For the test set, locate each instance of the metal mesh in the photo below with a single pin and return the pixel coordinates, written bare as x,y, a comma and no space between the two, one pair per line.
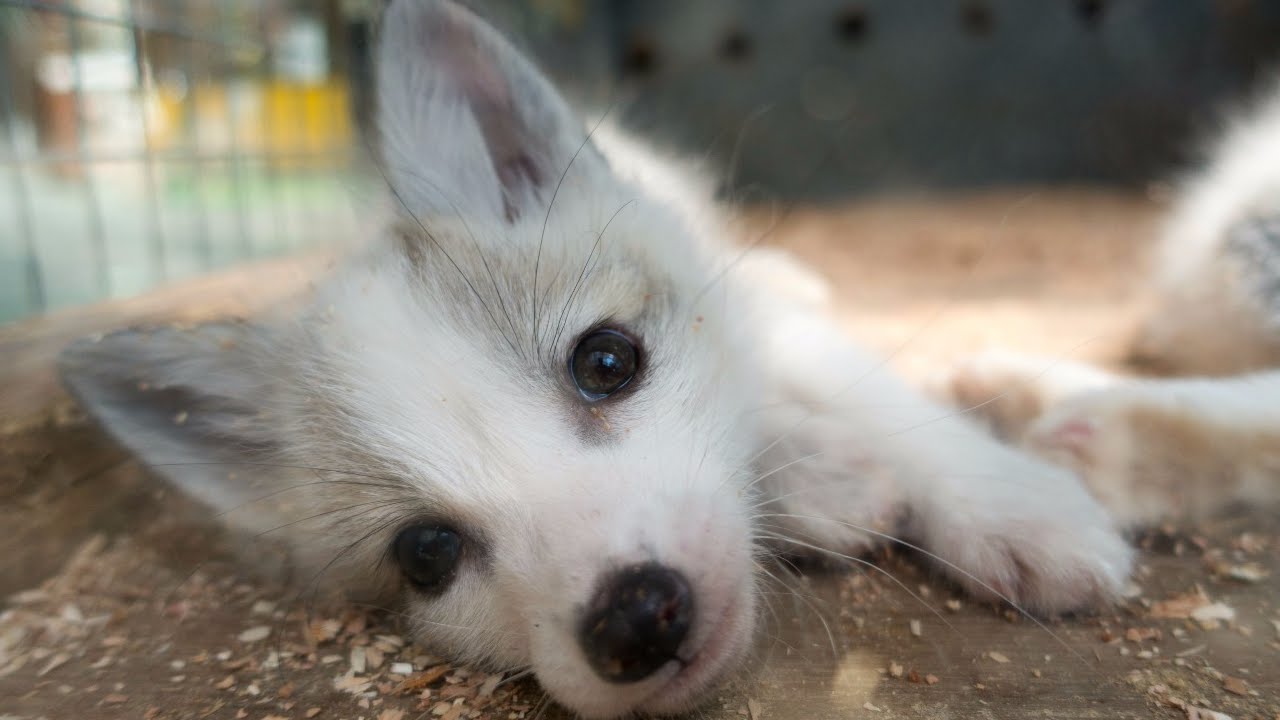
149,140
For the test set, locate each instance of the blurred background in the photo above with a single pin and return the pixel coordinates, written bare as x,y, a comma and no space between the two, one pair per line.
146,141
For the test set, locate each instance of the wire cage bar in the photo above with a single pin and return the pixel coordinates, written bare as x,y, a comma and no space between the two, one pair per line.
145,141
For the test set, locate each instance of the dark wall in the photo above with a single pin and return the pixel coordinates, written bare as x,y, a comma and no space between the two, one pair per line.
820,98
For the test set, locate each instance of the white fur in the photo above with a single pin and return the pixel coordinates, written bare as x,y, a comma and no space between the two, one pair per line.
1148,449
1210,316
1151,449
433,363
1242,178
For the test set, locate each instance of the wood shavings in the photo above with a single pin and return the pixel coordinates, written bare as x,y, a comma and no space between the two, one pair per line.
353,684
489,685
1248,573
320,632
998,657
54,663
1210,615
1235,686
1180,607
389,643
1249,543
421,680
1195,713
374,657
1138,635
255,634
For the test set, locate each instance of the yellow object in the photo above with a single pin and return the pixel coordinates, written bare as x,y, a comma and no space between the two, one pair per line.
296,125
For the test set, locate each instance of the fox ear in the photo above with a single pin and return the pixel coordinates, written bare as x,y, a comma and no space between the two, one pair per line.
467,123
188,403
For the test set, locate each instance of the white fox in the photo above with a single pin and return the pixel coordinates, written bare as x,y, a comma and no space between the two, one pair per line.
552,415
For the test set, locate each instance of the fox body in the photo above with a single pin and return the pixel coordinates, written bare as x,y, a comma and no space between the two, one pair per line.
552,414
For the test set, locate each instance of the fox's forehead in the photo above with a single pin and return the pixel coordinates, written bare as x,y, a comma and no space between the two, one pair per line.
584,260
421,336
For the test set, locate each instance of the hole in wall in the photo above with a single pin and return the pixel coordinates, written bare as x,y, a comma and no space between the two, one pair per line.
977,19
1091,12
736,46
640,57
851,25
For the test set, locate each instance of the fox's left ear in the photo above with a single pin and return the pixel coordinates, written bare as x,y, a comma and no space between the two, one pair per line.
191,403
467,123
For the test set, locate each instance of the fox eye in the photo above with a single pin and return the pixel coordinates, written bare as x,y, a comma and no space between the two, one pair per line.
603,363
428,556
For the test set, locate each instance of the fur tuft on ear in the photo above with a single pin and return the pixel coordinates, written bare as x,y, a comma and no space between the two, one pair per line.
193,404
467,124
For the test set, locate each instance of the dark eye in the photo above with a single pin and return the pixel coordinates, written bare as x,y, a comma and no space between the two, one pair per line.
602,363
428,556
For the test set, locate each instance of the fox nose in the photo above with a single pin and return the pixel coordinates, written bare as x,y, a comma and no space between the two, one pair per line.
636,622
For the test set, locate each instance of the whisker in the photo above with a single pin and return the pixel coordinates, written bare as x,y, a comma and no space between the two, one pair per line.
439,246
338,556
373,505
412,618
541,708
746,250
516,676
582,275
784,466
1065,357
978,581
868,564
537,265
484,258
277,466
845,478
835,651
731,173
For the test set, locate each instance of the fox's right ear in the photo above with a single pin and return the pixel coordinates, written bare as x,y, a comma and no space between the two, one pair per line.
191,403
466,122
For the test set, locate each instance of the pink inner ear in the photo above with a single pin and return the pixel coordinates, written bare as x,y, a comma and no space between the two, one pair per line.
1075,436
486,88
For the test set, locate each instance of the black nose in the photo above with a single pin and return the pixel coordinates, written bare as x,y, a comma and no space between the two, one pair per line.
636,622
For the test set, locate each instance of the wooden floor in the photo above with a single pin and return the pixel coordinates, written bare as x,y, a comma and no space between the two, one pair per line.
125,601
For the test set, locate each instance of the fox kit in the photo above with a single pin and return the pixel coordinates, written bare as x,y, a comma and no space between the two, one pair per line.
547,411
1151,448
